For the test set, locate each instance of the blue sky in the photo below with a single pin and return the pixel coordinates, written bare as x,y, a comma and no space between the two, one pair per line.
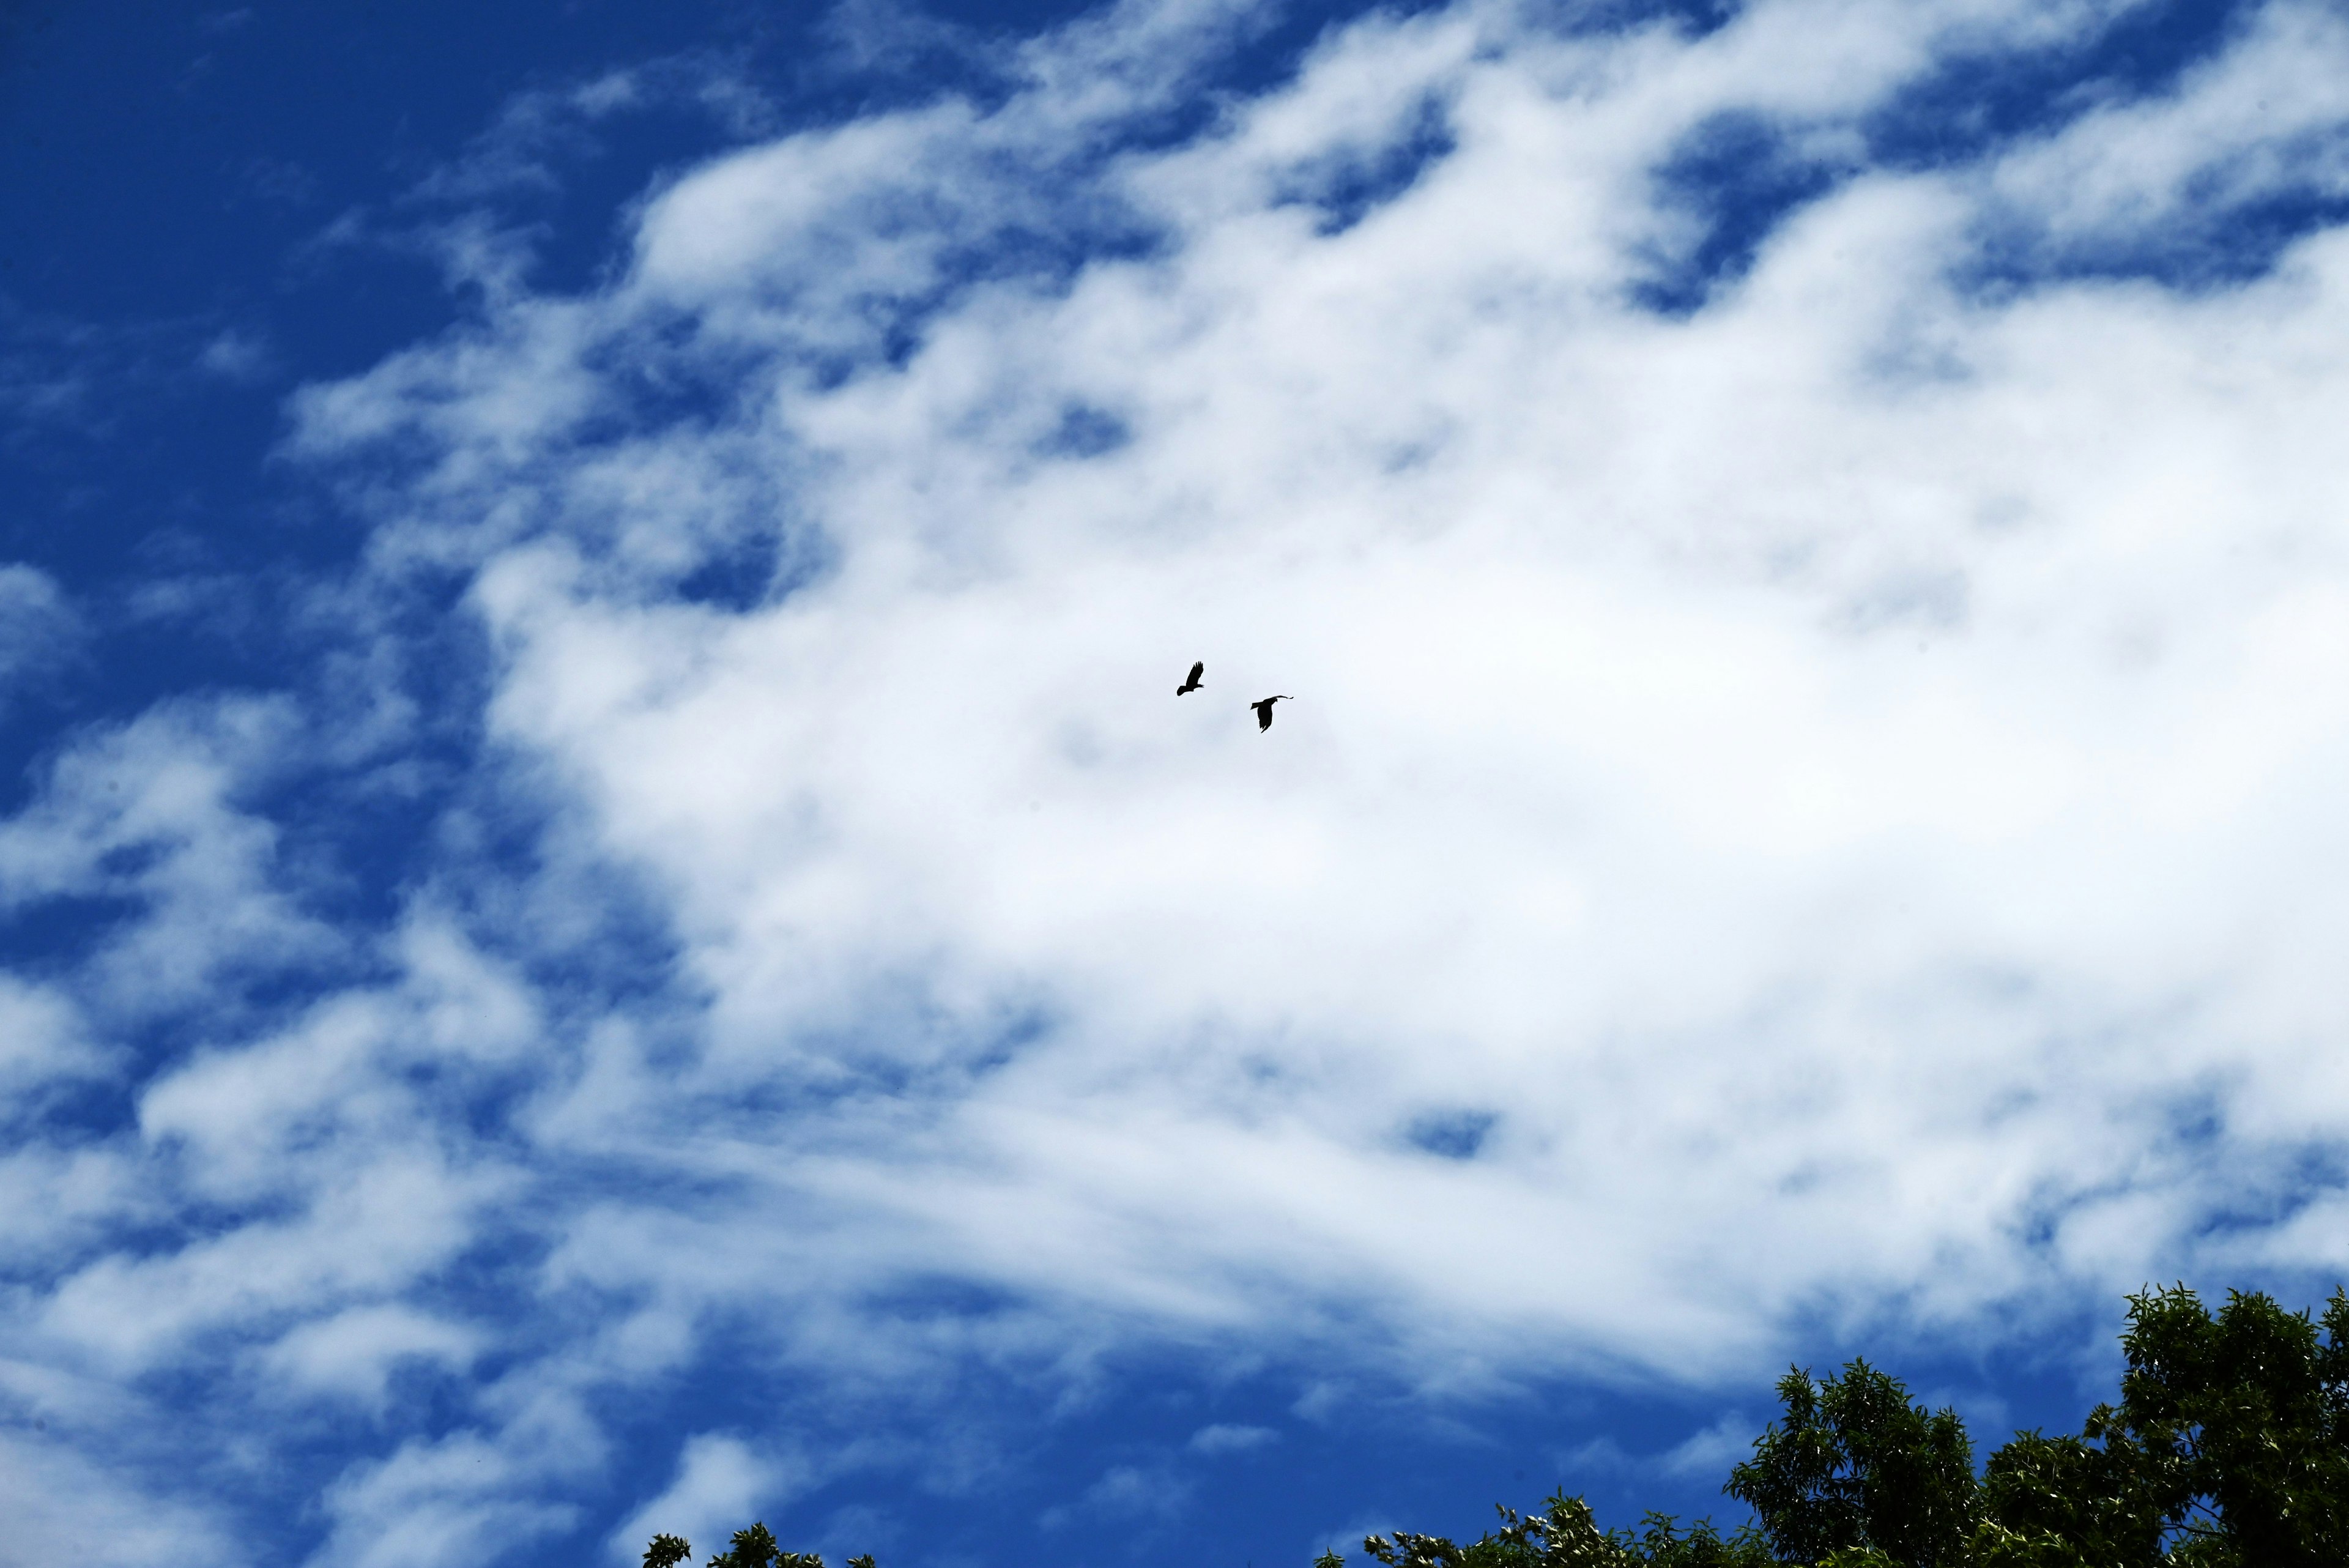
609,922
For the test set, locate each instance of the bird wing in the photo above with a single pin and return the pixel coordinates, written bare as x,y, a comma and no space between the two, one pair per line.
1198,670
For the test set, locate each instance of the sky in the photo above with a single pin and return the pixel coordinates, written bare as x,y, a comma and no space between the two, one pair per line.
610,921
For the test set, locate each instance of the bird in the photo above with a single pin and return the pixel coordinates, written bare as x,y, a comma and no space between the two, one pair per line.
1264,710
1191,684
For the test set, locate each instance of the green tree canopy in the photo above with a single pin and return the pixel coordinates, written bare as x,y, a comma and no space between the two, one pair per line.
2229,1449
1853,1466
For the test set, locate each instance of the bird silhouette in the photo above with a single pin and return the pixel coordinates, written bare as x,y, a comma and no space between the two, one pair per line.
1193,683
1264,710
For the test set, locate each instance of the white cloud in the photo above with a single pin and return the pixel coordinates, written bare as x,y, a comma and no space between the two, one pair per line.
39,630
1123,1493
1829,783
60,1507
1222,1437
353,1354
41,1042
343,1078
239,357
373,1232
55,1201
146,813
2269,117
1816,773
1825,776
1711,1452
464,1497
333,1139
721,1485
1705,1454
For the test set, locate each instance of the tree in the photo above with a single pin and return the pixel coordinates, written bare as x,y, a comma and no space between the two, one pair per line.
1565,1535
753,1548
2066,1502
1853,1467
2229,1449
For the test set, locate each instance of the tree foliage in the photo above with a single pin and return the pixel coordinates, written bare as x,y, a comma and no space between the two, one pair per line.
1853,1467
753,1548
2229,1449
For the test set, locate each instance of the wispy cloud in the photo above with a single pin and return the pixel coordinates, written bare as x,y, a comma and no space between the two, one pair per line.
722,1484
40,629
1224,1437
1712,1451
1126,1495
52,1495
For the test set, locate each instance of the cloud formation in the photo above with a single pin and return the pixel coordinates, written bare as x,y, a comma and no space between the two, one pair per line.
1811,789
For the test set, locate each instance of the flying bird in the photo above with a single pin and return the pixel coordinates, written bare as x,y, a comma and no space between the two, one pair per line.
1264,710
1193,683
